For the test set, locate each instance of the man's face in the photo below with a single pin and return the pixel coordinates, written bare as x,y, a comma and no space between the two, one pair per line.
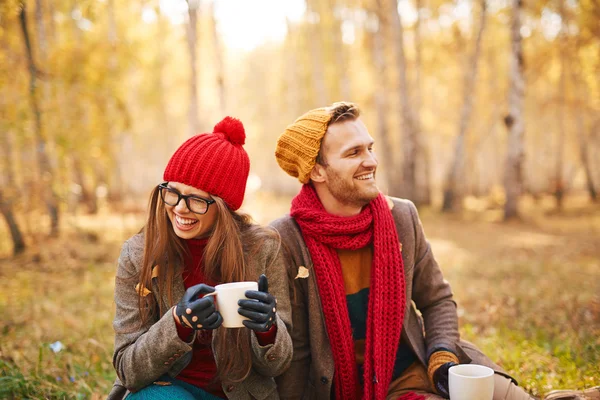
349,173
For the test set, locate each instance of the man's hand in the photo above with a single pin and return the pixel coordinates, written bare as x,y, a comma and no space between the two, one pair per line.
198,312
440,379
260,309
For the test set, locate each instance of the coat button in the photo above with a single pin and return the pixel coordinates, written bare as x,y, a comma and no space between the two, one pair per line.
271,357
229,388
324,380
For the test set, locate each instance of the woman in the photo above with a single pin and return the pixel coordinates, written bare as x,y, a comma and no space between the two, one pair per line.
168,339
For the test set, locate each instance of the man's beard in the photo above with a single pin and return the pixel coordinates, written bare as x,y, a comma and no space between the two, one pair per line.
347,193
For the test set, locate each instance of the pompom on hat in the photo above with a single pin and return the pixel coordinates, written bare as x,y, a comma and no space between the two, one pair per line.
214,162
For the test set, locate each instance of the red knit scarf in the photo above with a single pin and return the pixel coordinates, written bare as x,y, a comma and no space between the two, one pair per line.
324,233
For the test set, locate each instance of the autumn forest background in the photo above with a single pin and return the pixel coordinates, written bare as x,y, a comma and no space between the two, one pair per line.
485,113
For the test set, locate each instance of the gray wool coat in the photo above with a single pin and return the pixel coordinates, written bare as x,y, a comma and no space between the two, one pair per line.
310,375
143,354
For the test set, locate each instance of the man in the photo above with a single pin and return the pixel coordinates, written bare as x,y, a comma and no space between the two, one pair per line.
360,260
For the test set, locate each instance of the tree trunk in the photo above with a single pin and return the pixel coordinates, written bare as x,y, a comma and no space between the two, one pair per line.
87,197
293,94
8,184
219,60
15,232
341,60
118,137
381,104
408,127
192,38
41,29
161,56
513,173
423,178
452,193
559,188
316,50
581,135
45,167
585,161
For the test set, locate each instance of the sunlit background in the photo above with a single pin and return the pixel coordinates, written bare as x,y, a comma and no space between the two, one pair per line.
485,110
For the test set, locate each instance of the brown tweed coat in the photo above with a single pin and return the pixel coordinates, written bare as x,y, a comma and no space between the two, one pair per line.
143,354
311,374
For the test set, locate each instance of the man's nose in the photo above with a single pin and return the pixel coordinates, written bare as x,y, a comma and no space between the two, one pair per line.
370,160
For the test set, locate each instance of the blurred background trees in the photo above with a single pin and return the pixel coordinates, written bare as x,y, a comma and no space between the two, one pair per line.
493,99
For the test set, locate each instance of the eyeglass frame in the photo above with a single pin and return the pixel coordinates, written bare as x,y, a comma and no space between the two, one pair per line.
185,198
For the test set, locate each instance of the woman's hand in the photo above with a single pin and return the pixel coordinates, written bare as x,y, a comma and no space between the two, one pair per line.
198,313
260,308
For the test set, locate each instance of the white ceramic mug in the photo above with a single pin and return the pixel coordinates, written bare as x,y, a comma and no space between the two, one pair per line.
471,382
227,296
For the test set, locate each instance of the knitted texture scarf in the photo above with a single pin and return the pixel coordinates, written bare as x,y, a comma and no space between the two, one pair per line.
324,233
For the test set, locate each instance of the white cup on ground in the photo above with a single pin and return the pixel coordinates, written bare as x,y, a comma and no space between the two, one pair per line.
471,382
227,296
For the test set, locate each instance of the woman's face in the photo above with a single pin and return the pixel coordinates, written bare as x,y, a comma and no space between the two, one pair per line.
186,224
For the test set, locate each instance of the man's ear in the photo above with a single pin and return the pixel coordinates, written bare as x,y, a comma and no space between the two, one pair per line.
317,174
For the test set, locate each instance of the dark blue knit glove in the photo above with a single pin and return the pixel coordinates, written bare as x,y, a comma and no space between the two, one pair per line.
260,309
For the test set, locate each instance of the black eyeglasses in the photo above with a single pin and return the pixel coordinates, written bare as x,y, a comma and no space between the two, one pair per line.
195,204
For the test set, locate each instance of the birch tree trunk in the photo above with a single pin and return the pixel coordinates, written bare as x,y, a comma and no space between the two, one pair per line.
583,154
559,188
452,193
219,60
118,138
381,103
408,127
161,56
423,171
316,50
341,59
192,38
293,94
582,139
513,173
44,165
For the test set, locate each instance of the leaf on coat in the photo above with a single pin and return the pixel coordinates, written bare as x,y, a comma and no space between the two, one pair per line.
302,272
141,289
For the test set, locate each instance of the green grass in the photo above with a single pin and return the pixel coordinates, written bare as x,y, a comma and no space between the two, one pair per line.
528,296
60,293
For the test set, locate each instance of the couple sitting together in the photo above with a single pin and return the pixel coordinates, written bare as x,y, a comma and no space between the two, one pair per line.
350,302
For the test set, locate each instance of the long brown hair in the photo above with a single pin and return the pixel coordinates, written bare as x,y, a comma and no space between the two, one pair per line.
233,237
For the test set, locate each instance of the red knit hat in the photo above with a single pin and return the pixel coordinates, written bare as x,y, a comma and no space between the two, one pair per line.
214,162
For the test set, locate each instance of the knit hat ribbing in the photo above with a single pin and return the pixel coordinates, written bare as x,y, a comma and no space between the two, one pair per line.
214,162
298,146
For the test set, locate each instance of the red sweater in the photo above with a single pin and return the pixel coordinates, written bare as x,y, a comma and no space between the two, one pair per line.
202,369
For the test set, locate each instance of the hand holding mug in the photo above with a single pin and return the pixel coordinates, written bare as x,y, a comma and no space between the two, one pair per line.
260,309
441,380
198,313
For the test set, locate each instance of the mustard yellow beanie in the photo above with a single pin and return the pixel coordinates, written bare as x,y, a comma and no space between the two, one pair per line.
298,146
